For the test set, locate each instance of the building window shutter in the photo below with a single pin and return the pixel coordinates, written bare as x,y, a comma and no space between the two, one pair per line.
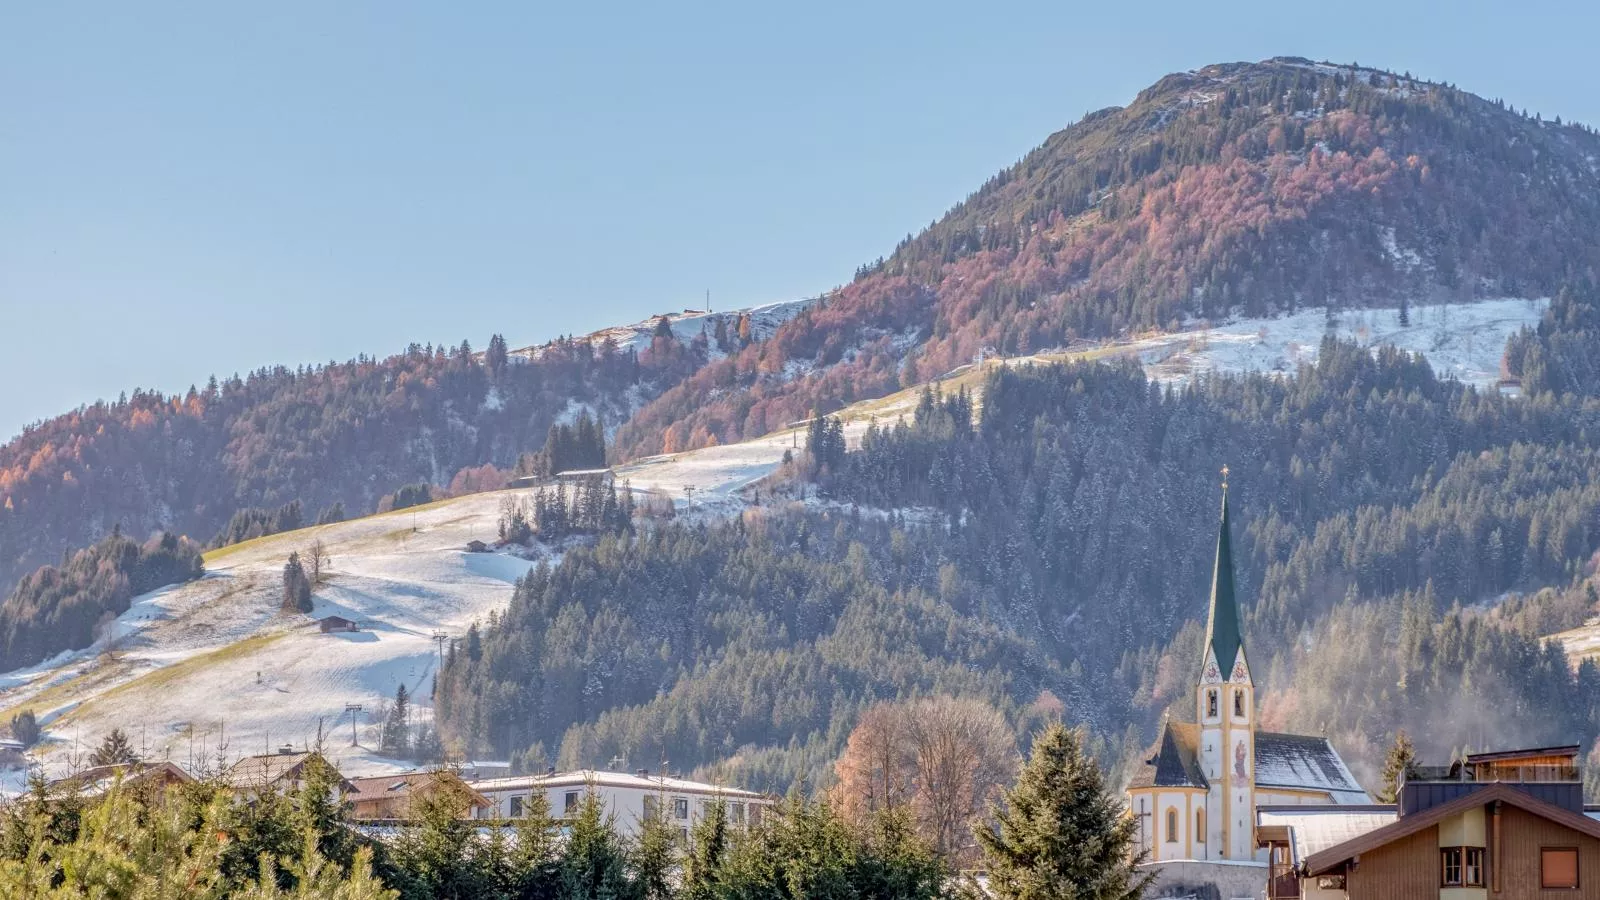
1558,867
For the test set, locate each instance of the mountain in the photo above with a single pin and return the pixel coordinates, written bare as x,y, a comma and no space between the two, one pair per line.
1241,189
1031,530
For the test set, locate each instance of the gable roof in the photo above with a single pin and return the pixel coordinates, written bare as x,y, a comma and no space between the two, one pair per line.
404,785
98,779
1223,634
1311,828
1306,763
1323,860
1173,760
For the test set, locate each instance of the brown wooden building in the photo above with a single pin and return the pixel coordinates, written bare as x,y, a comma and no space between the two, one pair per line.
391,796
1490,826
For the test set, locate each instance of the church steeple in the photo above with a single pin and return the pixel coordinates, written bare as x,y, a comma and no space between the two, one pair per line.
1223,635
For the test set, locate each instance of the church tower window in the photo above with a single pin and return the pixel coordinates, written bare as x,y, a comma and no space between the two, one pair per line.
1238,702
1172,826
1211,703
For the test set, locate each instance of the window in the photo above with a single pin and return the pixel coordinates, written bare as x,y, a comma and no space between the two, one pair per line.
1558,867
755,814
1211,703
516,807
680,807
1172,826
1474,870
1199,826
651,808
1238,702
736,813
570,803
1450,863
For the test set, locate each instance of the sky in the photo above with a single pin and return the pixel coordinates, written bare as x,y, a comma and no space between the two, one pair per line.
192,189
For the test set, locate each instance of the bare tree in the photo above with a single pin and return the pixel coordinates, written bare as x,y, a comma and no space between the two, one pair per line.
316,562
943,758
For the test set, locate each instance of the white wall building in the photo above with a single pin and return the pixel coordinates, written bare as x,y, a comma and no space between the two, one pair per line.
627,799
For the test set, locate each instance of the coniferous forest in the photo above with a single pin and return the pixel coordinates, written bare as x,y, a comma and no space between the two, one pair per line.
1060,544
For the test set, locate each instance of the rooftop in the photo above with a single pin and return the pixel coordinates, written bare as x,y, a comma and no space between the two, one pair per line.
585,777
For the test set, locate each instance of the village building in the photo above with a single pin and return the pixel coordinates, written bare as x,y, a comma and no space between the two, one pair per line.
392,796
1491,825
627,799
283,772
154,777
330,624
1197,789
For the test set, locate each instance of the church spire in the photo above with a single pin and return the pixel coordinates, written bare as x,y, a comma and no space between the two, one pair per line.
1223,635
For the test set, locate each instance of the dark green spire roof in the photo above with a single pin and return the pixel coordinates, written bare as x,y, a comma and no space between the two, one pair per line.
1222,628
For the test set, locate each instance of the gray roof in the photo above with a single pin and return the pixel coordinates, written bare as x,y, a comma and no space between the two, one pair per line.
1316,828
1173,760
1303,762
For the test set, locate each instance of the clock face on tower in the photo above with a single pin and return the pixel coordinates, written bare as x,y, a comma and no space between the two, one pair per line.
1238,671
1211,672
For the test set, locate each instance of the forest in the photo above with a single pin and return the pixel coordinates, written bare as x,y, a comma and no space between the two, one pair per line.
1398,537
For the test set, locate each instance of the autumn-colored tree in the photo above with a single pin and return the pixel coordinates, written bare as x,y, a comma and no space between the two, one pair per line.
941,759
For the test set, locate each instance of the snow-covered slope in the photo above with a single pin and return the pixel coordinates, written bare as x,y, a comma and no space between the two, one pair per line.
212,667
692,323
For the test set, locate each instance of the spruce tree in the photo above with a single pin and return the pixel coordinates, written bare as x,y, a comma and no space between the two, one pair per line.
396,740
1400,761
708,846
114,750
1060,832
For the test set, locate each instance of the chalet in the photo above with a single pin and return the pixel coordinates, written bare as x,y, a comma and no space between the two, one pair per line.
1490,825
391,796
628,799
477,546
337,623
283,771
156,777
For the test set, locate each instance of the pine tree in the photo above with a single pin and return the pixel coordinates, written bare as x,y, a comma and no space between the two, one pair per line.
654,857
396,739
25,728
495,357
595,865
114,750
296,586
708,846
1060,831
1400,763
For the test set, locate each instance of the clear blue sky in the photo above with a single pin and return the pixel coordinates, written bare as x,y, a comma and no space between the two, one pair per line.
213,187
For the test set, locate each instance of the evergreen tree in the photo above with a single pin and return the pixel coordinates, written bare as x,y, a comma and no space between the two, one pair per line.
25,728
396,731
495,357
296,586
655,857
1060,833
708,847
595,865
1400,763
114,750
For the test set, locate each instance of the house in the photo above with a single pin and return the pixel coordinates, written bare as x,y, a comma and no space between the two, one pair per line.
629,799
477,546
156,777
1195,794
1490,825
391,796
283,771
336,623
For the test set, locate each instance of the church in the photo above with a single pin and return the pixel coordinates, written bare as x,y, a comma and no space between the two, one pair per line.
1196,791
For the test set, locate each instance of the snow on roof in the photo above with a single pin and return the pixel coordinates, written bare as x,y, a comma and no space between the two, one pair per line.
584,777
1303,762
1313,829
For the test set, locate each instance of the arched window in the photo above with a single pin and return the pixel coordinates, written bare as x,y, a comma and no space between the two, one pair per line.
1238,702
1172,825
1199,826
1211,703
